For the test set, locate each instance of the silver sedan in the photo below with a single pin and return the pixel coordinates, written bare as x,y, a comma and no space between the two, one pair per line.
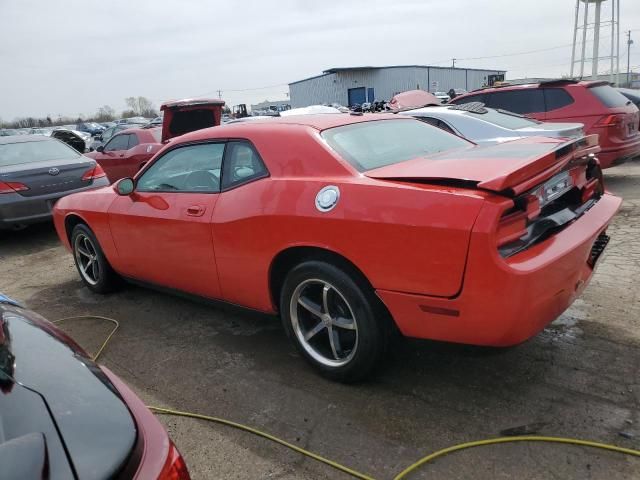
484,125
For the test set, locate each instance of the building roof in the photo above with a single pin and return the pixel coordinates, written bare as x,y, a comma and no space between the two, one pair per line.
363,68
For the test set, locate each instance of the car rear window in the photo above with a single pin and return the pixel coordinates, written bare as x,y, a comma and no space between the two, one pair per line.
30,152
503,119
375,144
608,96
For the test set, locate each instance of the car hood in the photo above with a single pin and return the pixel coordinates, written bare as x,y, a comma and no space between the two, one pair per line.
498,168
47,377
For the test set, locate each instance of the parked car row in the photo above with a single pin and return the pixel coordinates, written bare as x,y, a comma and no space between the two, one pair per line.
599,107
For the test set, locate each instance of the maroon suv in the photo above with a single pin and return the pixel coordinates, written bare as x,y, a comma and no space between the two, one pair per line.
597,105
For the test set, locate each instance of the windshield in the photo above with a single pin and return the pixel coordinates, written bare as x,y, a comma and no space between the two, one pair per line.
375,144
503,118
29,152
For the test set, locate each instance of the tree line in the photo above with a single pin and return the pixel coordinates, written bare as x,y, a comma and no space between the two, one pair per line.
136,107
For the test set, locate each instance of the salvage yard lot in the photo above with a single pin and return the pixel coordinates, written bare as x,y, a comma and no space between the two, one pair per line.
579,378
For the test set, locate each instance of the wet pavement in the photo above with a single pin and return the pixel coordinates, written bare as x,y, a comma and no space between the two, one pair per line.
579,378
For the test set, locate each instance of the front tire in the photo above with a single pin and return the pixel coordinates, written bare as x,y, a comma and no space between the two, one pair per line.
334,319
92,265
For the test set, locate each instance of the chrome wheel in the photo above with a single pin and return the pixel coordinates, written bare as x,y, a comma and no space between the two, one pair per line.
87,259
324,323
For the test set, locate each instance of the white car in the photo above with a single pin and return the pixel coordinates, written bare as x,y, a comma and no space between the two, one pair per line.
442,96
484,125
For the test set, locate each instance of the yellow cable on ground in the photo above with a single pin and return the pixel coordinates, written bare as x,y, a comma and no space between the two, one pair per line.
354,473
523,438
84,317
255,431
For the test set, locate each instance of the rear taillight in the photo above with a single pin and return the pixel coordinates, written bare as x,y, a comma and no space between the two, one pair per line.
512,226
12,187
174,468
613,120
94,173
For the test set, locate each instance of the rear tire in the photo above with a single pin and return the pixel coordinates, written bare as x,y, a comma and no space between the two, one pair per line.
92,265
335,320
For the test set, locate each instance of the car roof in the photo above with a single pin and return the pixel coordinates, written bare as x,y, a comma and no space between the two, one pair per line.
547,83
318,121
22,139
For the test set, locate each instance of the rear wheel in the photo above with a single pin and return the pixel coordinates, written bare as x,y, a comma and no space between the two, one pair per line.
334,320
92,265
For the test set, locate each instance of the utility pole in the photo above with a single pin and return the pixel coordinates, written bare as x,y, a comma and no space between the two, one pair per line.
453,63
629,43
220,94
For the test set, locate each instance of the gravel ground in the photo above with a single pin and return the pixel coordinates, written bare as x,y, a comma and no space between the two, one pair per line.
578,378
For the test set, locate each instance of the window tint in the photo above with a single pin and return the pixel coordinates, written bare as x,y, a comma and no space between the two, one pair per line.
555,98
241,164
528,100
471,98
437,123
608,96
194,168
133,140
27,152
374,144
119,142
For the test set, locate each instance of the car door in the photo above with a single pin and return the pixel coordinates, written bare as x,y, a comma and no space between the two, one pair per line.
162,231
112,157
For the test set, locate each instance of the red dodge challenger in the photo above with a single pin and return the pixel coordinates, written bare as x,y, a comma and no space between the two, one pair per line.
350,226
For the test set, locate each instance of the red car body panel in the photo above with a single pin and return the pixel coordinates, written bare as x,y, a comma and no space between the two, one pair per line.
417,243
119,164
619,140
534,287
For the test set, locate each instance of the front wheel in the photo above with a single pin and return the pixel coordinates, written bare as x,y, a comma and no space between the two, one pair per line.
334,320
92,265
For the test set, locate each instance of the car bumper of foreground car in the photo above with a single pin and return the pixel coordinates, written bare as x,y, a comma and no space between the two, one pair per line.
17,210
506,301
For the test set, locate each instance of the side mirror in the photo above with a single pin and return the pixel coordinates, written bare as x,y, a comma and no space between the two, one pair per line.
100,148
125,186
99,137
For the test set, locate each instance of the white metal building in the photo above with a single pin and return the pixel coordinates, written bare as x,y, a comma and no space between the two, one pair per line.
349,86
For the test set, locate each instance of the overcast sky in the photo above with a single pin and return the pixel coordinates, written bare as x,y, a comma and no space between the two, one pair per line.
70,57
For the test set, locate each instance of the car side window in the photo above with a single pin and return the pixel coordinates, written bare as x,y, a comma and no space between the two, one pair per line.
437,123
242,163
192,168
530,100
119,142
555,98
133,140
108,133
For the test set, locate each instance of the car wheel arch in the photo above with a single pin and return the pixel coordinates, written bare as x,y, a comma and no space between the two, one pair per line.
70,223
288,258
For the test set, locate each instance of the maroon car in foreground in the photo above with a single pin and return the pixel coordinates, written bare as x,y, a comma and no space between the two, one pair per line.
62,416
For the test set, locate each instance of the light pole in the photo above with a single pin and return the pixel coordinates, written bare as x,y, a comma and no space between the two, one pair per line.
629,43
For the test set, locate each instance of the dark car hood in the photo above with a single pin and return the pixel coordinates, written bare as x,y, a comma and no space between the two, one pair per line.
93,422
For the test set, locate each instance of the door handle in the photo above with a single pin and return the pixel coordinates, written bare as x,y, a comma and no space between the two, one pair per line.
195,211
